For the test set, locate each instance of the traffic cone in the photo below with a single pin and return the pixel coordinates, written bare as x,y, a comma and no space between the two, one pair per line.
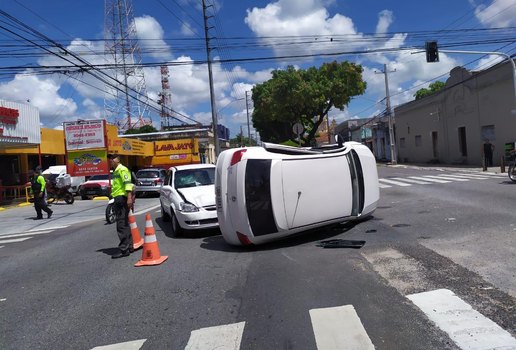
150,253
137,239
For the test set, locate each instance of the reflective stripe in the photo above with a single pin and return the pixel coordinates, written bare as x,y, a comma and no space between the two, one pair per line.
132,225
148,223
150,239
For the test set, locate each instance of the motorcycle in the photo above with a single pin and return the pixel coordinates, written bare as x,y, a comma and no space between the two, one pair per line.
512,167
110,211
55,193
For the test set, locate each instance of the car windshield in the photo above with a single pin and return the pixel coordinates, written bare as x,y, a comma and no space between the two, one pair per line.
194,177
147,174
98,177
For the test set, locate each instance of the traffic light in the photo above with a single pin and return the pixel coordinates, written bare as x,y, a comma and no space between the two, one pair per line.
432,52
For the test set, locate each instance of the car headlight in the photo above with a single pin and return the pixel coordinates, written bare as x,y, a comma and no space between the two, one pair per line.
104,187
187,207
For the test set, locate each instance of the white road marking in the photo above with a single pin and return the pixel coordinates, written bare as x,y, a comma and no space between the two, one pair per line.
427,179
3,299
5,241
392,182
478,176
412,181
443,177
491,174
130,345
339,328
146,210
466,177
383,186
28,233
227,337
47,228
1,246
468,328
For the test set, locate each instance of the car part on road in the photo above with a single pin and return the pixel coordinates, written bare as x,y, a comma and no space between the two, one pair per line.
512,172
341,243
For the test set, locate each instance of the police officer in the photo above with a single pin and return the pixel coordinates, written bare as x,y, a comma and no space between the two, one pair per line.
38,185
122,192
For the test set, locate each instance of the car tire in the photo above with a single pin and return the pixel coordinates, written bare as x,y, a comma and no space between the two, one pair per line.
164,215
110,213
176,228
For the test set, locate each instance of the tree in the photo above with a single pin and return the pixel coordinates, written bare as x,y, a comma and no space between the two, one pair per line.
432,89
304,96
142,130
240,140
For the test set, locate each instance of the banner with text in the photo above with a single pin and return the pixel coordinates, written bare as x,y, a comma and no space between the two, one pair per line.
84,134
87,163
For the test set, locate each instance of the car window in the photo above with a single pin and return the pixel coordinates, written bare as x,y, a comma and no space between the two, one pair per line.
194,177
147,174
167,180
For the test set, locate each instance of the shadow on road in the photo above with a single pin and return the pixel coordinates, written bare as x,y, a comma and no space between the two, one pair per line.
109,251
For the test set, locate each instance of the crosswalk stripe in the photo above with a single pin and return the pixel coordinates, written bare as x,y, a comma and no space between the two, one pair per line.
468,328
392,182
466,177
5,241
28,233
442,177
476,176
47,228
427,179
412,181
130,345
491,174
339,328
383,186
226,337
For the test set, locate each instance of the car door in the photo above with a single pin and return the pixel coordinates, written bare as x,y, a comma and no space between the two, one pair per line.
165,192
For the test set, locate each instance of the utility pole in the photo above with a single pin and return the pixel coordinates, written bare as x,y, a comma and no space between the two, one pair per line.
248,126
210,76
389,114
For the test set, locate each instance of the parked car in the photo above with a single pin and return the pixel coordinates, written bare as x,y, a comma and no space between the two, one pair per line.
187,198
271,192
96,185
149,181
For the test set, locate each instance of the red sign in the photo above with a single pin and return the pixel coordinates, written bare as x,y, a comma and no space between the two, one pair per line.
9,115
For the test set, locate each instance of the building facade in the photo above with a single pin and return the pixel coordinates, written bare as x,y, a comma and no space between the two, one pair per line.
451,126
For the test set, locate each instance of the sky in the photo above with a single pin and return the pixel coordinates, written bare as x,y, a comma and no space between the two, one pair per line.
248,40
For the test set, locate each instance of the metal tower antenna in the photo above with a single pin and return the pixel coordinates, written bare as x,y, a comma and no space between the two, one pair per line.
128,109
165,98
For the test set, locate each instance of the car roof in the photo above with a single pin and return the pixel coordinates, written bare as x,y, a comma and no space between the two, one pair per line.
151,169
192,166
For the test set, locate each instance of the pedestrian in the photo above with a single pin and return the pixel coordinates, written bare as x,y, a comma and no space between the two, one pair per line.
38,185
122,192
487,151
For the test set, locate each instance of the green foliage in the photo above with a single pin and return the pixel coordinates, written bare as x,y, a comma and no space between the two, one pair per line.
432,89
239,141
304,96
143,130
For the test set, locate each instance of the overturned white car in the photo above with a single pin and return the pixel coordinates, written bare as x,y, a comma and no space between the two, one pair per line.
270,192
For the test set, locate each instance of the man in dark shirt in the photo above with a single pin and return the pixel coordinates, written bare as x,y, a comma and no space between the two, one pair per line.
488,153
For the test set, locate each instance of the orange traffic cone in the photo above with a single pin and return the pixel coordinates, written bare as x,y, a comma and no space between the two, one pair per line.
150,254
137,239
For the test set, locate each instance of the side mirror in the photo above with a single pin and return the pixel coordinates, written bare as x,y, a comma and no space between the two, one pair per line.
339,139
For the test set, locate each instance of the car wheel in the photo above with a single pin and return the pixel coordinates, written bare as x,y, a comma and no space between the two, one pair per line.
176,229
164,215
110,213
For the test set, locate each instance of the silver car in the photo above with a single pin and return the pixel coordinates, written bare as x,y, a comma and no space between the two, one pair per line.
149,181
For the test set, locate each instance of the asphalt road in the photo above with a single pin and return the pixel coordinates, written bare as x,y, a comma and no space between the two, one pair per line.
61,290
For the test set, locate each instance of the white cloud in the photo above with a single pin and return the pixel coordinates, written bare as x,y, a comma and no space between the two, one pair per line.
487,62
500,13
150,35
385,19
43,94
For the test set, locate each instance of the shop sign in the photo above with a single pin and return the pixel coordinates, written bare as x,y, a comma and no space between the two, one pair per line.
176,147
9,115
87,163
84,134
130,147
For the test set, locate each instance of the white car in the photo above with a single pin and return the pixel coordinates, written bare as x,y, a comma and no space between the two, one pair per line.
187,198
270,192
